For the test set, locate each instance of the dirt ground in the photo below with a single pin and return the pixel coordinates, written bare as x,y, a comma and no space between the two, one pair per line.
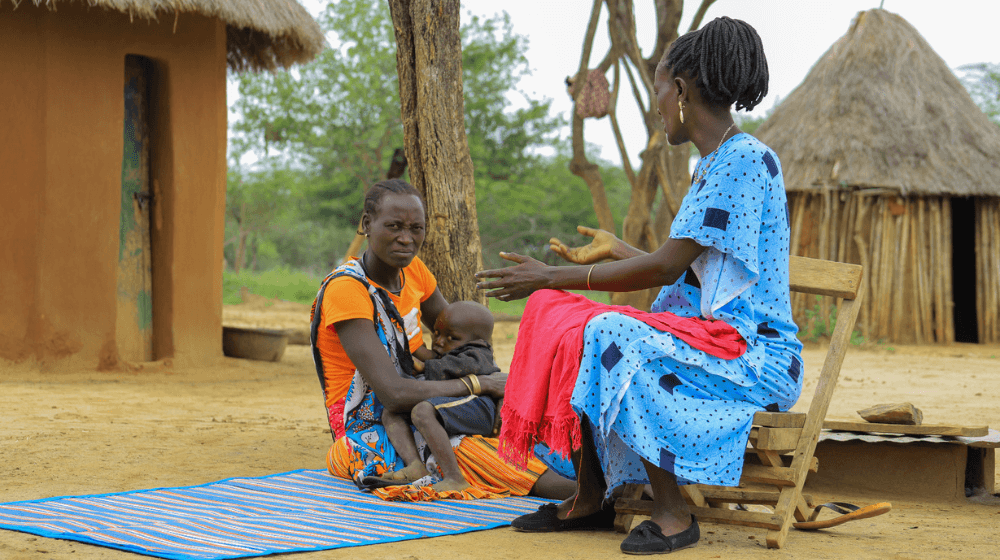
87,432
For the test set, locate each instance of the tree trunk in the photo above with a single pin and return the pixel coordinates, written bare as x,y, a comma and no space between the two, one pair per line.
241,247
429,64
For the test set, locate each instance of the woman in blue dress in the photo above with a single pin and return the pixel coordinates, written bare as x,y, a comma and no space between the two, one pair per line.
653,408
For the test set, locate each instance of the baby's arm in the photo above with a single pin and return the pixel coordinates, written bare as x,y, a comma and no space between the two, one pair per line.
420,357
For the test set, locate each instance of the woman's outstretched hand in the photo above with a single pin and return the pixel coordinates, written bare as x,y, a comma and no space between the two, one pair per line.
514,282
601,248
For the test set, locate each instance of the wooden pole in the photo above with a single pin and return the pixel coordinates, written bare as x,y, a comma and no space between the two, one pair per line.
949,251
924,282
994,281
863,203
993,250
915,271
795,248
876,252
885,285
826,224
899,275
987,246
938,271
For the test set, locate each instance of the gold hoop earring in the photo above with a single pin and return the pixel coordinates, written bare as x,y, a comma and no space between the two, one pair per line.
681,106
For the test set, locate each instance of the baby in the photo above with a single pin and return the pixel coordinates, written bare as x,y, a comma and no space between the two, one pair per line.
461,344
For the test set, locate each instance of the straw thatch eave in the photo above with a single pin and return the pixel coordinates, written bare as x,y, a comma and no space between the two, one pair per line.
882,109
260,34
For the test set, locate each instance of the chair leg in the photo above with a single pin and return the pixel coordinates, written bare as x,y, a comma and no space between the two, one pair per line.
788,504
623,521
694,495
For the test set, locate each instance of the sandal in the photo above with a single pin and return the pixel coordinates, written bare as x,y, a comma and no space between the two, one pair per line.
545,520
849,512
647,538
372,482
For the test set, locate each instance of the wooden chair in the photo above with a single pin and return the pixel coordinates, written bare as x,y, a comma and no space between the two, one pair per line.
780,451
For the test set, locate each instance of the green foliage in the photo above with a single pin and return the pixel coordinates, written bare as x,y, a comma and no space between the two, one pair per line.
501,139
339,116
321,133
281,283
983,82
750,124
817,328
545,201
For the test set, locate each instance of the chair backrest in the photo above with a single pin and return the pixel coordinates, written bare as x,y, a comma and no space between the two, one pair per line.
825,278
828,278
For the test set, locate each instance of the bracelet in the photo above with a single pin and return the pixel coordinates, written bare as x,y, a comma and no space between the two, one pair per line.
476,387
591,271
467,386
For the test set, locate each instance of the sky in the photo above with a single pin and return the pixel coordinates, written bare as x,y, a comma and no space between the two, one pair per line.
795,34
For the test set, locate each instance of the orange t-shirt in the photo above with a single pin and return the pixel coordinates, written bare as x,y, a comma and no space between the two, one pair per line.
346,298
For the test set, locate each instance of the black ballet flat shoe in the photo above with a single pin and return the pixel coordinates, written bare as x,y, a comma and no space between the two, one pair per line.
545,520
647,538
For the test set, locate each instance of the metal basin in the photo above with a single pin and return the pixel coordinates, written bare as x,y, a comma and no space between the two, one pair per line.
267,345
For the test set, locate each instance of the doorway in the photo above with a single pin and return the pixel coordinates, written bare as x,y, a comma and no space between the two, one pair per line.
963,268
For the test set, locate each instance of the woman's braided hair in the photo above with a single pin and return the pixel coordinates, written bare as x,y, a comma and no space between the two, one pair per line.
373,198
726,60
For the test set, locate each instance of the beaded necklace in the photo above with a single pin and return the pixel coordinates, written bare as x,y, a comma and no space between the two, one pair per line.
701,170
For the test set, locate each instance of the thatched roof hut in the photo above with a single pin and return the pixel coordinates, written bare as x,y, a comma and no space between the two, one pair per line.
113,136
889,163
260,34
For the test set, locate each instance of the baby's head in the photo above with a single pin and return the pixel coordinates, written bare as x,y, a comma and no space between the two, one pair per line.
461,323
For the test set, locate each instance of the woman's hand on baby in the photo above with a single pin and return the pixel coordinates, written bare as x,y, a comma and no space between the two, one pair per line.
602,247
493,385
514,282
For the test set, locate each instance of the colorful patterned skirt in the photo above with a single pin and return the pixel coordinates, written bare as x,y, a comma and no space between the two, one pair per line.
477,456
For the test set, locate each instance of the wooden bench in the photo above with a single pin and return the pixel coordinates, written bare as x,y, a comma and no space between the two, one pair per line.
780,451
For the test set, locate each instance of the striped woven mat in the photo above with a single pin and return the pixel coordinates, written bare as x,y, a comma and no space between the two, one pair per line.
239,517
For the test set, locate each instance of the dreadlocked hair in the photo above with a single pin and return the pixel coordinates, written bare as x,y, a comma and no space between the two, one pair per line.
375,194
726,60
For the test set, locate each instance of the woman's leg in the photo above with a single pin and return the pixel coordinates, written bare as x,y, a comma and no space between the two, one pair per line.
553,486
670,511
590,486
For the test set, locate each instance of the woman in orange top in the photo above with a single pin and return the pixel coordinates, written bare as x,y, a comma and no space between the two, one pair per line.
365,332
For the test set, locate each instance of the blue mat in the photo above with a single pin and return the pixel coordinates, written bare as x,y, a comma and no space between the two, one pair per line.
238,517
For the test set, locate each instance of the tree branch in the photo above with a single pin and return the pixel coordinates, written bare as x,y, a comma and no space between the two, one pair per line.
700,14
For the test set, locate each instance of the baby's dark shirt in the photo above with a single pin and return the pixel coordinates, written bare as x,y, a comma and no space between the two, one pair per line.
474,358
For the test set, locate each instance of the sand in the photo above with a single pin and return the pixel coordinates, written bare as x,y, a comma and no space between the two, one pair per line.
88,432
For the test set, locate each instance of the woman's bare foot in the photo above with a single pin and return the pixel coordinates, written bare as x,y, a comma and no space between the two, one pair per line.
412,472
450,485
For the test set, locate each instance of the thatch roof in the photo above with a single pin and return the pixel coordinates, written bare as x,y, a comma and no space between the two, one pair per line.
882,109
260,34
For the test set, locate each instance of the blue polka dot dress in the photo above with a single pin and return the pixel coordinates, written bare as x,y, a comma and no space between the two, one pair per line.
648,394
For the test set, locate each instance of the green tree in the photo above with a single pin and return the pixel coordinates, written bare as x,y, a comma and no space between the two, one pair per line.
543,202
265,224
253,201
983,82
339,116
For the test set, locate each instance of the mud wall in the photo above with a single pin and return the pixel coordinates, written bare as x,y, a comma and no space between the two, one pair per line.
61,142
